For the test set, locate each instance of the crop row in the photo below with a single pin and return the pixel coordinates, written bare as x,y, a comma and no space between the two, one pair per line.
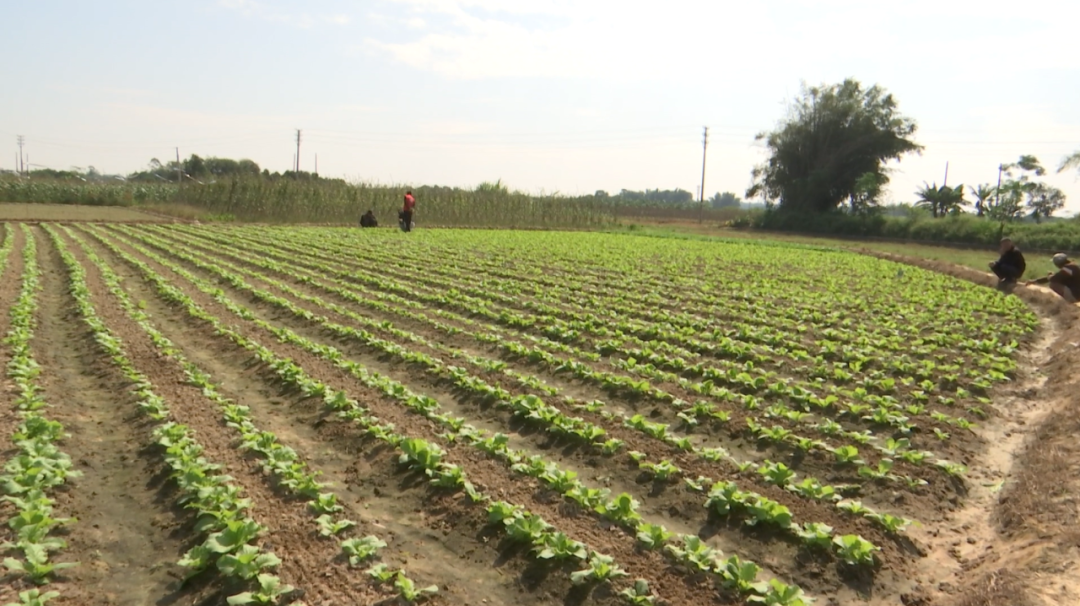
620,508
32,475
228,532
281,462
532,407
846,455
417,453
649,358
585,315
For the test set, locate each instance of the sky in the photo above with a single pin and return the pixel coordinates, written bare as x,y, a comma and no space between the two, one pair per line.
550,96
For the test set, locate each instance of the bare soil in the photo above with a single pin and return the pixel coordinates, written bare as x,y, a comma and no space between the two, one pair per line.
17,211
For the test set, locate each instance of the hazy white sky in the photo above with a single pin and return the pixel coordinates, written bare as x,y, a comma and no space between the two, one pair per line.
548,95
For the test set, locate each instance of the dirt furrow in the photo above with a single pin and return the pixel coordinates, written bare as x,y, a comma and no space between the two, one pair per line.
10,286
362,471
311,565
129,535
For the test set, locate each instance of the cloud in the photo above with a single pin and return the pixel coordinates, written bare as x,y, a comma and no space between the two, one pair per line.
626,40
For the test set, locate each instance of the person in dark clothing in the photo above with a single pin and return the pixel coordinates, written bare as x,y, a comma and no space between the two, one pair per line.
1066,282
407,212
1010,266
368,220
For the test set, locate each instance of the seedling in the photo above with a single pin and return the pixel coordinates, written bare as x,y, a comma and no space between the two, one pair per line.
776,473
359,550
34,597
247,562
409,592
778,593
558,546
815,534
37,565
328,527
739,574
639,594
601,568
270,589
855,550
652,536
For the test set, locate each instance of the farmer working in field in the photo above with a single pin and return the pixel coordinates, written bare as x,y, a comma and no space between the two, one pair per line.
407,211
1010,266
368,220
1066,282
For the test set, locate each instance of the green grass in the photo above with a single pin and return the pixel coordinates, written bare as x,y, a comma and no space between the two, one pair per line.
1038,265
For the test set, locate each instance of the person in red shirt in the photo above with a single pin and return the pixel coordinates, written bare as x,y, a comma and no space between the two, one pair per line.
407,211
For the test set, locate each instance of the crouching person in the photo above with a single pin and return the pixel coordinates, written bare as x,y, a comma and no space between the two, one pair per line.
368,220
1066,282
1010,265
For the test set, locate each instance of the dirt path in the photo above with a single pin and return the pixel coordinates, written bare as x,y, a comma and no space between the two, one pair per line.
1014,542
128,543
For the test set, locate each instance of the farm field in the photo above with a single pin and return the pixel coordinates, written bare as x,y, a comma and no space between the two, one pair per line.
71,212
274,415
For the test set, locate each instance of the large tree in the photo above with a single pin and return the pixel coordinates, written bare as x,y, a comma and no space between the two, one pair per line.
836,140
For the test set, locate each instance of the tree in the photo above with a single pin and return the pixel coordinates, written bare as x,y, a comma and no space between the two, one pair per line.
983,194
833,137
940,201
725,200
1044,200
1070,162
867,191
1008,202
1020,190
657,196
195,167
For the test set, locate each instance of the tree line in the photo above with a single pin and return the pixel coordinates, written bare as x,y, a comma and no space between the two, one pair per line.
668,197
830,154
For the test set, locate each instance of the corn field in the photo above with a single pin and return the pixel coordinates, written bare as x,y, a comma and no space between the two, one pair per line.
327,202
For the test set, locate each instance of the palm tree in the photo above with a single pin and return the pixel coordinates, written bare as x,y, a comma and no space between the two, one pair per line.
940,200
1072,161
928,198
983,194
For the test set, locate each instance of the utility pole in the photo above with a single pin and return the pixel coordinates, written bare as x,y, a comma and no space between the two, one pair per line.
701,195
298,151
22,163
997,192
179,170
946,181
